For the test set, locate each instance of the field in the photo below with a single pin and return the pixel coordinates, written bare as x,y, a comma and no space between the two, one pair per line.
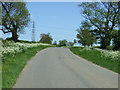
14,58
105,58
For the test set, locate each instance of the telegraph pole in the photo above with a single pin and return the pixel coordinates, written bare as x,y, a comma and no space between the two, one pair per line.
33,32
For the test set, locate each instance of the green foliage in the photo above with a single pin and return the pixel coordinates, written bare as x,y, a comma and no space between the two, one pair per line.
46,38
103,16
24,41
70,43
109,47
75,41
15,17
63,42
86,38
116,40
14,65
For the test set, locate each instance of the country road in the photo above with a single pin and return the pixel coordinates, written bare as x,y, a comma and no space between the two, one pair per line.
60,68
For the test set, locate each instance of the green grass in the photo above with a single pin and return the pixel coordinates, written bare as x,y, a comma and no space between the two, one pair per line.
95,57
13,65
0,75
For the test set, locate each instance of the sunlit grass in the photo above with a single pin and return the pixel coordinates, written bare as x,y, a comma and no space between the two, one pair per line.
97,57
13,65
0,75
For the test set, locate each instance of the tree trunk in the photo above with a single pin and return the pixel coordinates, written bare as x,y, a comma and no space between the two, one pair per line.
105,41
14,35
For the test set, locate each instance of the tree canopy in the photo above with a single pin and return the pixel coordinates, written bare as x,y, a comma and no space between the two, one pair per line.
116,40
15,16
46,38
103,18
63,42
85,37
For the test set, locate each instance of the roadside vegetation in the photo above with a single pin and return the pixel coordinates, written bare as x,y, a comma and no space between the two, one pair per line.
101,20
100,26
105,58
14,57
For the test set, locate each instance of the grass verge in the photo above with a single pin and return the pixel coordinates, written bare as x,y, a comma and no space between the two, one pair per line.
13,65
95,57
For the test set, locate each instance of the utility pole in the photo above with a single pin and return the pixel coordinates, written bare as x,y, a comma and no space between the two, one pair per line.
33,32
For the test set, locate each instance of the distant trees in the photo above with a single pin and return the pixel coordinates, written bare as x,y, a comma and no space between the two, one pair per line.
70,43
103,18
75,41
55,43
86,38
46,38
63,42
15,17
66,43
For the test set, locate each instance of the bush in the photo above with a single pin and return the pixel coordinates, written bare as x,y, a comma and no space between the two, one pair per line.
109,47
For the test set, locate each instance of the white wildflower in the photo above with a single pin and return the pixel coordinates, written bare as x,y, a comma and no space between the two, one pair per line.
109,53
12,47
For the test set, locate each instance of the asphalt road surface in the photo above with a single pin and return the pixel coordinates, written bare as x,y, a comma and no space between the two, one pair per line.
60,68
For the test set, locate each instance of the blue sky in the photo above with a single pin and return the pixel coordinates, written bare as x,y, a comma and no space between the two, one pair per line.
60,19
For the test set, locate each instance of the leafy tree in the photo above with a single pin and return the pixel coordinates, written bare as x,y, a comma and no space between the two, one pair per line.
116,40
63,42
86,38
46,38
75,41
70,43
103,16
15,17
